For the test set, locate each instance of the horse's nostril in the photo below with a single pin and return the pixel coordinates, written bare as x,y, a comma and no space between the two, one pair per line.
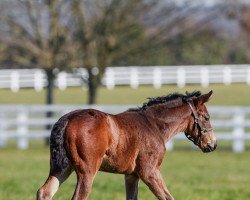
215,146
212,147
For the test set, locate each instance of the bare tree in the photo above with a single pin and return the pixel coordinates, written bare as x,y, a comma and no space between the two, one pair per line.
244,20
101,29
42,35
35,37
109,30
238,11
92,34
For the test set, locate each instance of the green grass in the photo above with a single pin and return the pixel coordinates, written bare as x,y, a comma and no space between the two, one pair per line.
237,94
189,175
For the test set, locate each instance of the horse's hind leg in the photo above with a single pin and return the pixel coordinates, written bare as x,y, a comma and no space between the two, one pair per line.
86,171
84,184
86,162
55,179
131,183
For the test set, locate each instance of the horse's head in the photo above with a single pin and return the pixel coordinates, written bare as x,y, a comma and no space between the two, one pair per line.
199,129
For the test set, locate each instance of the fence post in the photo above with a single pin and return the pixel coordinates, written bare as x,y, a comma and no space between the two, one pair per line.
248,76
169,145
181,79
38,80
134,82
62,80
3,139
238,132
110,78
227,76
14,81
204,77
22,129
157,78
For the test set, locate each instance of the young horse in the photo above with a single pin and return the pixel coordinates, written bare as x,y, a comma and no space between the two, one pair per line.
130,143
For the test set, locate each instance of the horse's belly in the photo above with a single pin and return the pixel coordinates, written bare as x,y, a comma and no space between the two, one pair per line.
116,166
106,166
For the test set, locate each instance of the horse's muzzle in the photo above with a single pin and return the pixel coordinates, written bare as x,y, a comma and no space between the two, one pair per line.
210,147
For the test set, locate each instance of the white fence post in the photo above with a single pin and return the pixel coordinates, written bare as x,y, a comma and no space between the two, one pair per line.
227,76
110,78
3,139
238,132
22,129
204,77
62,80
181,77
38,80
134,82
157,78
14,81
248,76
169,145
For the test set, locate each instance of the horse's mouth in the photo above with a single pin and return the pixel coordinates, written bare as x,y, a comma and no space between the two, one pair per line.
209,148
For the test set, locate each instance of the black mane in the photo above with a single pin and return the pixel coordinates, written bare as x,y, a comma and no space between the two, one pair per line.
164,99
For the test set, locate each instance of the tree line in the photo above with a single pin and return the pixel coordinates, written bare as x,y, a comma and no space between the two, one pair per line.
60,35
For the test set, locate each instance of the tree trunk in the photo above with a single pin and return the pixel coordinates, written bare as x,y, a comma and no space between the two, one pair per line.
92,86
49,97
50,87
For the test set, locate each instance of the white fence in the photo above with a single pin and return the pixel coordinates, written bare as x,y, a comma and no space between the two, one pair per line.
24,123
133,76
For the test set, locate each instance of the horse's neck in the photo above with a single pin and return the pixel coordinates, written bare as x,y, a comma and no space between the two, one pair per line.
170,121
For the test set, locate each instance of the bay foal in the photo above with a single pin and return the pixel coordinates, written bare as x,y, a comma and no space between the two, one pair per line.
130,143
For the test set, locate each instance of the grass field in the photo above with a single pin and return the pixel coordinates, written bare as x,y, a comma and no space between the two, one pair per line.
190,175
237,94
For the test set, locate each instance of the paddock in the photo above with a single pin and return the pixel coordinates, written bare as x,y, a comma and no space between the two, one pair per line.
193,174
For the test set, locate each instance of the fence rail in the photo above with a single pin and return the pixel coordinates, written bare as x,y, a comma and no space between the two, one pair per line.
26,122
133,76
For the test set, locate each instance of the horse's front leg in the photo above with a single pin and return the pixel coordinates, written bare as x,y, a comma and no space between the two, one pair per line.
131,184
155,182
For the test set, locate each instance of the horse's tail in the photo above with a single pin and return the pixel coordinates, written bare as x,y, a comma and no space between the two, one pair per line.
59,159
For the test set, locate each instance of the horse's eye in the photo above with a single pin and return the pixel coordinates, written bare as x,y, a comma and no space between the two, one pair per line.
207,117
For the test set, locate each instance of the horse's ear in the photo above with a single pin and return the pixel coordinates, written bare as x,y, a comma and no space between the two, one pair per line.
205,97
